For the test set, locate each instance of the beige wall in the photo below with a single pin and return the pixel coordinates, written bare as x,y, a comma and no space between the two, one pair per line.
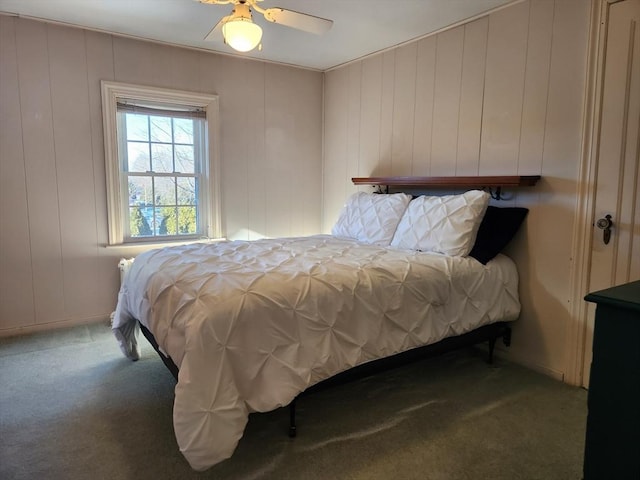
502,95
54,268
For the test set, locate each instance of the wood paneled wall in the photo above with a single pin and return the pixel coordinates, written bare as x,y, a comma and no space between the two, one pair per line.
501,95
54,267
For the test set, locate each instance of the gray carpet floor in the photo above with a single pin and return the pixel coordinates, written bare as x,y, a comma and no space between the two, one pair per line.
72,407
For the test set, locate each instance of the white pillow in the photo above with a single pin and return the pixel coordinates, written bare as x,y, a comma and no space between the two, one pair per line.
446,224
371,217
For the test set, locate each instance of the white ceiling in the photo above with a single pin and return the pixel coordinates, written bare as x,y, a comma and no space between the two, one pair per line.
361,27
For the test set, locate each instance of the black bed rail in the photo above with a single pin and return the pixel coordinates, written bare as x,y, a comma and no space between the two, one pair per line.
487,333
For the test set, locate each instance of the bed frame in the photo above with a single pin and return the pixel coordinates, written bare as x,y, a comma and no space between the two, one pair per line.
487,333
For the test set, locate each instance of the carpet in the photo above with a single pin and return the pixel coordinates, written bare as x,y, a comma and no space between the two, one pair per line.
72,407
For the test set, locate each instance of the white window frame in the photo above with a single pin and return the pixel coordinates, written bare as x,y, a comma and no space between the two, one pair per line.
112,92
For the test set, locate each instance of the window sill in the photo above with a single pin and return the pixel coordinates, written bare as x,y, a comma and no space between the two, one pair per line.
144,246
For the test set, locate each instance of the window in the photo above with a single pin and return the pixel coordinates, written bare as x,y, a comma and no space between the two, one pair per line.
161,157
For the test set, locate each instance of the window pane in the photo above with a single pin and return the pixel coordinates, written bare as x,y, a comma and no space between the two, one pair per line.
140,191
184,159
161,129
166,220
140,221
165,190
187,224
186,191
183,130
161,158
137,157
137,127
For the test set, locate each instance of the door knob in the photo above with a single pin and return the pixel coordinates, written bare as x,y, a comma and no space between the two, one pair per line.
605,225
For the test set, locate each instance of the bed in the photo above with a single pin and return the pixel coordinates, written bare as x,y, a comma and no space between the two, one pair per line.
249,325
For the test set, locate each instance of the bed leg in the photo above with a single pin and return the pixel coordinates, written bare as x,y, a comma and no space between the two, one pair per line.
506,337
492,346
292,419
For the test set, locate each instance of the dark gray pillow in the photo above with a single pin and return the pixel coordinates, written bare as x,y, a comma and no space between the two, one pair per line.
498,227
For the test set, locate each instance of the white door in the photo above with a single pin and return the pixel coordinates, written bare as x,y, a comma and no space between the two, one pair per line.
617,260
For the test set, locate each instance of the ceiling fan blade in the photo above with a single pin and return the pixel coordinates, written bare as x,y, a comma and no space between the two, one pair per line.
300,21
216,32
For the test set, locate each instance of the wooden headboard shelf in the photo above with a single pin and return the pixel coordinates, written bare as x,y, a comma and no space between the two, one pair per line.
497,182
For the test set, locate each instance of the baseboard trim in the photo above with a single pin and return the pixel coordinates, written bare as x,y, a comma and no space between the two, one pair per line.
536,367
43,327
504,354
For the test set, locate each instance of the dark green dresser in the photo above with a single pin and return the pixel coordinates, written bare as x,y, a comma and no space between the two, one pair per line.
612,449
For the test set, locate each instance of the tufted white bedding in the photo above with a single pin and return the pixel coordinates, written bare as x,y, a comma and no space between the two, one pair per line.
252,324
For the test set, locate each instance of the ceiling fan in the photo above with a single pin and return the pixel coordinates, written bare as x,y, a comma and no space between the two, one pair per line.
241,34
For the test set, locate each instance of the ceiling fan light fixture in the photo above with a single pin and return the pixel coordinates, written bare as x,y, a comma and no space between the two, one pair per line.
242,34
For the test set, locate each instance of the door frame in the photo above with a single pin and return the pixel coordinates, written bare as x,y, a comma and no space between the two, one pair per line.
586,192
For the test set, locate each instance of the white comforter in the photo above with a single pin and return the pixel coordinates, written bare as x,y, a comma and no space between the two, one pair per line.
252,324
